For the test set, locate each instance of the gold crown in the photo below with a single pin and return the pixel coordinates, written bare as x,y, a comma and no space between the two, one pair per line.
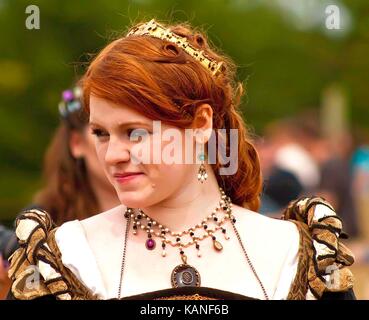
154,29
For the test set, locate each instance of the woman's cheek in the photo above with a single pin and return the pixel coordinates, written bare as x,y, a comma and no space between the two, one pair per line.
101,152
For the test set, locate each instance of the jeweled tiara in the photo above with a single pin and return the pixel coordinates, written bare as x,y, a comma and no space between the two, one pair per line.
154,29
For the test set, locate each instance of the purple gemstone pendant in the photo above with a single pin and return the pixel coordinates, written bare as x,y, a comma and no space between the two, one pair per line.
150,244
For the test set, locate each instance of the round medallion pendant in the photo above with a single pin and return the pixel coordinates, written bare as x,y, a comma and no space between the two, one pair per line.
185,275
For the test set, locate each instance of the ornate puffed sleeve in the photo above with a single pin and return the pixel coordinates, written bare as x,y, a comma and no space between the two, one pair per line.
324,260
36,269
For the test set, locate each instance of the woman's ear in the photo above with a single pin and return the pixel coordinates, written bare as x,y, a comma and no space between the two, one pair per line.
203,123
76,144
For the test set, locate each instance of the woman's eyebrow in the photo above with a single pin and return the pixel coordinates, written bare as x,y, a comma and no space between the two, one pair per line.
123,124
130,123
93,124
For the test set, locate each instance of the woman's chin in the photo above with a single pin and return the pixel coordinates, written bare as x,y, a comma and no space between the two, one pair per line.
131,201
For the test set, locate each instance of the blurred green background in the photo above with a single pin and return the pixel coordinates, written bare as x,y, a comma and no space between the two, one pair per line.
286,57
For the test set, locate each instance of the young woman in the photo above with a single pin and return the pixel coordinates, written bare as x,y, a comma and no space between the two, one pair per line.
186,227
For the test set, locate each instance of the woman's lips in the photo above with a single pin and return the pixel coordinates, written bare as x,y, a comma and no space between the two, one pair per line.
127,178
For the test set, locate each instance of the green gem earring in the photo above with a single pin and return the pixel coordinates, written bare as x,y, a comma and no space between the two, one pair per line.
202,175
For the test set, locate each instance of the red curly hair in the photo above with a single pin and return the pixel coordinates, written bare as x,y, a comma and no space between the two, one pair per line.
155,77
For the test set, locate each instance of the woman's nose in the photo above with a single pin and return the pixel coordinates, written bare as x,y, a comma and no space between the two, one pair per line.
118,151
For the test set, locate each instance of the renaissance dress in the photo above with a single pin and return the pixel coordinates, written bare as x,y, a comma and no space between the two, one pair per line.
321,270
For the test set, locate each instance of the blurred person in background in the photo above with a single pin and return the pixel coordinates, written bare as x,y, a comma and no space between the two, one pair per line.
360,173
321,165
280,188
4,279
289,170
290,153
360,166
75,186
333,157
280,185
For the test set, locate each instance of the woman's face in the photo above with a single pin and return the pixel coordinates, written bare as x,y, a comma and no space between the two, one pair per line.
153,178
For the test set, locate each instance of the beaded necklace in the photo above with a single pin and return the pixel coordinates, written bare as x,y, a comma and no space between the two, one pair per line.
184,274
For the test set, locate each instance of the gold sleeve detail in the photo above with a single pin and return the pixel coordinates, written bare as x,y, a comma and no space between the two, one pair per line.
31,229
36,268
78,289
324,260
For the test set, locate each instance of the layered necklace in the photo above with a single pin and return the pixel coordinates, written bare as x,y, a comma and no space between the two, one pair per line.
184,275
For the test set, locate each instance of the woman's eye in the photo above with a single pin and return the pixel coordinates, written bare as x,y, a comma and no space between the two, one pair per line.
136,133
99,133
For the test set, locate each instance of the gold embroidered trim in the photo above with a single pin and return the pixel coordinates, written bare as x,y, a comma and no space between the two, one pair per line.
299,286
36,268
323,258
186,297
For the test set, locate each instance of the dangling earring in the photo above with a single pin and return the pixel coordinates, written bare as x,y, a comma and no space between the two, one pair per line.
202,175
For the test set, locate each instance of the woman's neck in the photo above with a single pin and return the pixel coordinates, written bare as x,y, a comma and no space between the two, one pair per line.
189,206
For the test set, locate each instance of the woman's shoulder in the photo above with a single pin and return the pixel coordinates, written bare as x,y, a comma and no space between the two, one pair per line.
36,268
305,245
104,219
93,231
99,228
270,240
273,231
